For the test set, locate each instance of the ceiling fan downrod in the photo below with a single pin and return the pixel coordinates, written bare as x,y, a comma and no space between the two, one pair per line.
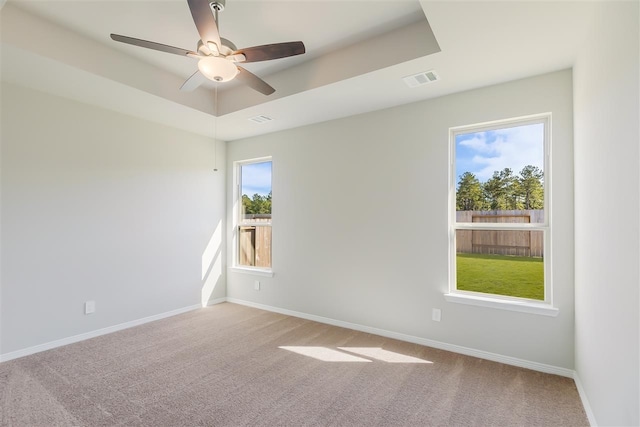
217,6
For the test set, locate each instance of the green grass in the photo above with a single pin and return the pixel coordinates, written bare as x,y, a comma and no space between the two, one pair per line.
502,275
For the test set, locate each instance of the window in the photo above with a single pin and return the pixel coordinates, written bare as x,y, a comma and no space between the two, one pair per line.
499,206
253,238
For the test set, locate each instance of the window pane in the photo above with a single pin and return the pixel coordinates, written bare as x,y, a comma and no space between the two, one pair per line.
255,179
254,239
502,262
255,246
501,171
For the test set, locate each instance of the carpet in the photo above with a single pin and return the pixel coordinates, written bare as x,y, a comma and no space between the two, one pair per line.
231,365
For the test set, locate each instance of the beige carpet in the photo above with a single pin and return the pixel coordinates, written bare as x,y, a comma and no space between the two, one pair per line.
238,366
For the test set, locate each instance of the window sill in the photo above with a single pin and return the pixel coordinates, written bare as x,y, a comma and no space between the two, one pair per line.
503,304
253,271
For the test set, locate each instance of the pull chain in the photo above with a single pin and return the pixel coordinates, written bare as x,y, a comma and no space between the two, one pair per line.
215,130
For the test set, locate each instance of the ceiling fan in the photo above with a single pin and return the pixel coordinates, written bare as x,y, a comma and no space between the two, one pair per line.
217,56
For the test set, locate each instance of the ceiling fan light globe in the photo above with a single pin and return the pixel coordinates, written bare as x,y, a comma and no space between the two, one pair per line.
217,69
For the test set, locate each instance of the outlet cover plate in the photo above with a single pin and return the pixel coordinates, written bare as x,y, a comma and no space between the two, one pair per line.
89,307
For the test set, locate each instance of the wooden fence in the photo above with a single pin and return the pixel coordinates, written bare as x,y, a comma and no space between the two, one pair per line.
255,242
501,242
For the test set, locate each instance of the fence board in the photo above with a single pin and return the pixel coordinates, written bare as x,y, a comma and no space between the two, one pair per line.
255,242
501,242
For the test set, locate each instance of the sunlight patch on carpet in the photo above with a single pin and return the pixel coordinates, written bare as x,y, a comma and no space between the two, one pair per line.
383,355
325,354
348,354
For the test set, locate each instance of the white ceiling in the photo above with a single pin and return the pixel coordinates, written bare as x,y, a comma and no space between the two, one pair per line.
357,54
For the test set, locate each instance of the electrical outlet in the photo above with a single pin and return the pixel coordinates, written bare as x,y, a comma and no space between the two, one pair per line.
436,314
256,285
89,307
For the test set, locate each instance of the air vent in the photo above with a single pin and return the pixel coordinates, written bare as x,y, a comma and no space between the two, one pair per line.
260,119
421,78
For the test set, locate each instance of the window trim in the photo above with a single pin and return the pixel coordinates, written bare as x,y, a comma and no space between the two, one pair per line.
506,303
238,222
497,301
256,271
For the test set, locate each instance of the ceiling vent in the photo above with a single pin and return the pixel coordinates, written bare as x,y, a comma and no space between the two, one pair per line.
421,78
261,119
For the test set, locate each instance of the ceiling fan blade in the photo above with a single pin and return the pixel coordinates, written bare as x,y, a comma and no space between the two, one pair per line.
271,51
195,80
254,82
205,22
152,45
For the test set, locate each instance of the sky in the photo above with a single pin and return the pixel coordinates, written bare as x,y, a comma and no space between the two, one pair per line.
256,178
482,153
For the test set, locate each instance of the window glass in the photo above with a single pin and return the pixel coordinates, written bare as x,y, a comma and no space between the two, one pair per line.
500,170
501,262
499,221
254,229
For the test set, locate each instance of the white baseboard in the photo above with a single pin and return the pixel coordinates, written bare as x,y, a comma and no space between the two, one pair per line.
85,336
585,401
507,360
382,332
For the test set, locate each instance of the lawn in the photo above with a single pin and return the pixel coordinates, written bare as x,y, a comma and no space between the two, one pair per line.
503,275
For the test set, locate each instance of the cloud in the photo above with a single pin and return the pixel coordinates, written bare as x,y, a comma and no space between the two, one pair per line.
482,153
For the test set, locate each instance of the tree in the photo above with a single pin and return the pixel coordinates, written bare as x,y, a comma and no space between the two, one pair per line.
531,189
267,203
469,195
503,191
498,190
257,204
247,206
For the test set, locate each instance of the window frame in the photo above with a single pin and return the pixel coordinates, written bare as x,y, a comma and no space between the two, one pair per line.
543,307
239,222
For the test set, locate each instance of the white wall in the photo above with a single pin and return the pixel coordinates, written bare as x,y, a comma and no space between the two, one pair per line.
360,221
101,206
607,202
